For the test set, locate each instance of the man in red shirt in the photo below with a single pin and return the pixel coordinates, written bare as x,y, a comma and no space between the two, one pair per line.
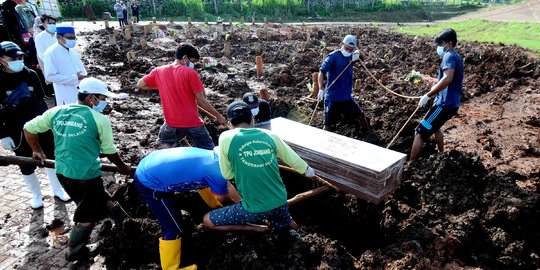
181,90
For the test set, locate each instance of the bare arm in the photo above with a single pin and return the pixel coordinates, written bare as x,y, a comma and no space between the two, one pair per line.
233,196
116,160
33,141
142,85
321,81
448,76
201,101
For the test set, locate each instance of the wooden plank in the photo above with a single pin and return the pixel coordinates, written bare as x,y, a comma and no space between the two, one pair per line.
363,169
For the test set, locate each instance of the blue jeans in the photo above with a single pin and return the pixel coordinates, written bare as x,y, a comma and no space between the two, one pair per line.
199,135
163,206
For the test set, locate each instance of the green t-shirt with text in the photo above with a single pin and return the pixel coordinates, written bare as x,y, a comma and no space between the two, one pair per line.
250,156
80,135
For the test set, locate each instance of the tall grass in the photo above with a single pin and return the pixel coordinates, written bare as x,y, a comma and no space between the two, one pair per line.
287,10
525,34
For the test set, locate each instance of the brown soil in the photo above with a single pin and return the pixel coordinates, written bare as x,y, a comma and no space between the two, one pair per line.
474,206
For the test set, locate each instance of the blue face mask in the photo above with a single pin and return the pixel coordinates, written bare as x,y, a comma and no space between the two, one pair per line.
51,28
16,66
101,105
70,43
440,51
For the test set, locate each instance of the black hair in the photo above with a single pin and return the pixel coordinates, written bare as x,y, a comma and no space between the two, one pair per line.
82,96
188,50
446,35
242,118
46,17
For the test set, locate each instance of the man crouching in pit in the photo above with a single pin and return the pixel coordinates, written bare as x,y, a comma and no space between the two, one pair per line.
250,156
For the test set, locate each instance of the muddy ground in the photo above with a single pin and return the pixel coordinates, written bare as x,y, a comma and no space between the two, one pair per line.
476,205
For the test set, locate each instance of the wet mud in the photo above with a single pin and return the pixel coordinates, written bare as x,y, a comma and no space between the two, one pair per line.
461,208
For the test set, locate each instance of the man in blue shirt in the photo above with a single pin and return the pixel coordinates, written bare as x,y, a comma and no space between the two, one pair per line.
447,93
182,169
338,98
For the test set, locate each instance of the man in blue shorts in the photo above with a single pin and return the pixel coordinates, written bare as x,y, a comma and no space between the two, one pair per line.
182,169
447,93
338,100
250,156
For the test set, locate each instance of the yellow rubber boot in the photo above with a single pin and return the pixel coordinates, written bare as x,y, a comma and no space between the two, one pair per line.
169,254
209,198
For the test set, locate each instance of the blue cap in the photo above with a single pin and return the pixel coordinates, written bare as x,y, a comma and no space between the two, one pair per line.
65,29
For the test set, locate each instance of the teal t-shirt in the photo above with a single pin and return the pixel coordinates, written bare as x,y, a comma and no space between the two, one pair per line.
80,135
250,156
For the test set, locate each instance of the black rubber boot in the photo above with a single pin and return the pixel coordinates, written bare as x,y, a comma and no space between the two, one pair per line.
77,243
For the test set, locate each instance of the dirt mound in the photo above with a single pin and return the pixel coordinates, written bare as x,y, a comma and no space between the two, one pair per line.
451,210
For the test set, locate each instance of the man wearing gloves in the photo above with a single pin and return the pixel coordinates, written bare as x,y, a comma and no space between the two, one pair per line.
63,66
181,169
81,134
21,96
338,100
250,156
447,93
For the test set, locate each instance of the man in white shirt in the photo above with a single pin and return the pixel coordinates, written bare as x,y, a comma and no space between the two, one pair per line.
46,38
63,66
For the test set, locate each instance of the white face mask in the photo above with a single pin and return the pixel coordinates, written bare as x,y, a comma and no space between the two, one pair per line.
440,51
345,53
255,111
51,28
16,66
191,65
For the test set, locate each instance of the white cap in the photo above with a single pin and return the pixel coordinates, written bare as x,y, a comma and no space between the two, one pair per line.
94,86
350,41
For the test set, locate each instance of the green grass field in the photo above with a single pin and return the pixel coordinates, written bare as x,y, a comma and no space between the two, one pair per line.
524,34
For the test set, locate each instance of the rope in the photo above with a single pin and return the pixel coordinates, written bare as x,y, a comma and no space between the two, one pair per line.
406,122
324,91
384,87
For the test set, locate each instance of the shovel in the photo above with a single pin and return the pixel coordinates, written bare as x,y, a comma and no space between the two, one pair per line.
18,160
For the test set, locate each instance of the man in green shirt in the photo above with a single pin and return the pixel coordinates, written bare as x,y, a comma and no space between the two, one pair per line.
250,156
81,134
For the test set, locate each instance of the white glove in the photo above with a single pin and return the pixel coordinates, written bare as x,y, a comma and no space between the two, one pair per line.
320,95
121,96
423,100
356,55
7,143
310,172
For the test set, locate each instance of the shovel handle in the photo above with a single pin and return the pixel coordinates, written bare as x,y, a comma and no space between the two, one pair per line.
49,163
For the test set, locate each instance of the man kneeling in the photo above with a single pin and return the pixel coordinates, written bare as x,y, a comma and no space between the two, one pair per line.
250,156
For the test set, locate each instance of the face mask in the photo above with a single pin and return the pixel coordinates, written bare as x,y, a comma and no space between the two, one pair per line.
16,66
191,65
440,51
345,53
255,111
51,28
70,43
101,105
